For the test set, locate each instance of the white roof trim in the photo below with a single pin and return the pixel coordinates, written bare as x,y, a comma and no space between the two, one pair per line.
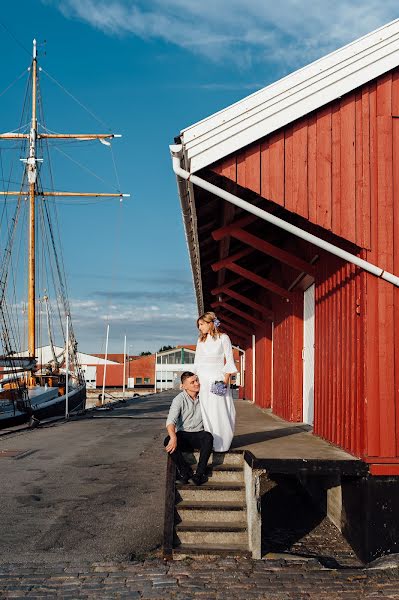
292,97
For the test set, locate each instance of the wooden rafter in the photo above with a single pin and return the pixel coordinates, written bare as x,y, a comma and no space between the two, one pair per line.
240,327
224,231
258,244
265,283
244,300
224,247
238,312
234,333
227,285
222,264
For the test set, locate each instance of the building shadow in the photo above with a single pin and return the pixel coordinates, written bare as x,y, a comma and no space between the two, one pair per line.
292,523
246,439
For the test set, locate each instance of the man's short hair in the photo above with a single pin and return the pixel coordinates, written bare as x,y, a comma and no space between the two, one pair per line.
186,375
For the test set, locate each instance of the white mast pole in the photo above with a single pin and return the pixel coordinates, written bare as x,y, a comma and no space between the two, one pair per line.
67,370
105,366
124,369
156,362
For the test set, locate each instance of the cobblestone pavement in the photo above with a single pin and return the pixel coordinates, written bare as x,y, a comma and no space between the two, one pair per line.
210,579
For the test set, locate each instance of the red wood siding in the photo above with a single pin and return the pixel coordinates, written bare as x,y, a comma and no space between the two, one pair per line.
319,167
338,168
263,360
248,392
382,328
287,358
339,354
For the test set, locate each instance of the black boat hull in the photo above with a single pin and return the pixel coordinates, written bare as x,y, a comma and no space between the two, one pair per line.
54,407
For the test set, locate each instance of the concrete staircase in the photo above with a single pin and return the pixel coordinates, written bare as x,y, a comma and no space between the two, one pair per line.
212,518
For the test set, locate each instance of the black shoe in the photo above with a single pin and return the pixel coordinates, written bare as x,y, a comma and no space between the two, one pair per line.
185,476
200,478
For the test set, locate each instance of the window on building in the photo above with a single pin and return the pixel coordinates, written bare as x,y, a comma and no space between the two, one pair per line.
188,357
146,380
139,380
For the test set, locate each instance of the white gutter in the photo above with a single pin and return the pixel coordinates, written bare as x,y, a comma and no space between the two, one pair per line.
177,153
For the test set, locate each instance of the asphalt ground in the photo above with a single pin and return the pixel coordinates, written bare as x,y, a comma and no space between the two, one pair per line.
81,516
89,489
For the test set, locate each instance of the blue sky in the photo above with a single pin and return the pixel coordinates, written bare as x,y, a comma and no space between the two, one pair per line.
146,70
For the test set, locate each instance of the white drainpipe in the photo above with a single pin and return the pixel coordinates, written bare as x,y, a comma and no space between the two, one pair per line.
177,150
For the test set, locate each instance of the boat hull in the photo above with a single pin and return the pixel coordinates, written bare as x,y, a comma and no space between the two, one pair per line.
46,406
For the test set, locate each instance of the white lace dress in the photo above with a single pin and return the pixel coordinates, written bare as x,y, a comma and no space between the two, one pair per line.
213,359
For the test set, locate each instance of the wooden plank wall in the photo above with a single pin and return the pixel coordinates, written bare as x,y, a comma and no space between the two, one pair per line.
287,358
339,168
382,376
263,362
318,167
339,354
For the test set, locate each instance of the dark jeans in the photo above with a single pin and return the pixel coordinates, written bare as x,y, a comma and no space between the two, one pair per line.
188,441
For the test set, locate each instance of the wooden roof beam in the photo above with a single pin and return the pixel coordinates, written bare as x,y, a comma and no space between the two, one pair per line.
226,286
242,329
247,301
238,312
223,232
269,249
234,333
265,283
222,264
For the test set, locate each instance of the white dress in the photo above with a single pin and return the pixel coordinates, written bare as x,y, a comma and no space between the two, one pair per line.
213,359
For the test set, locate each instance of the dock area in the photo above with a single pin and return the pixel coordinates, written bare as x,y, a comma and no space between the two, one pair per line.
82,517
278,444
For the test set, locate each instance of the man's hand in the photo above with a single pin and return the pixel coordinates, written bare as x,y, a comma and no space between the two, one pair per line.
171,447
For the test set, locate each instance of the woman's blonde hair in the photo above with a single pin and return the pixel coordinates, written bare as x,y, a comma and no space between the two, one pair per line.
209,317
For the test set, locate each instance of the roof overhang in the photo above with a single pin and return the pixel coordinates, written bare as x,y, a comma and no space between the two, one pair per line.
274,107
292,97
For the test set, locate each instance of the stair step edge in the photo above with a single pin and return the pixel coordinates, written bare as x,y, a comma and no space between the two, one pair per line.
210,504
211,527
223,486
232,549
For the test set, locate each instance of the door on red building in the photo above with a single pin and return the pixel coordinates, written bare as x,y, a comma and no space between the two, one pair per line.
308,355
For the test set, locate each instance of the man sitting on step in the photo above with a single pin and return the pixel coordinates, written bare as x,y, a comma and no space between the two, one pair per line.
186,431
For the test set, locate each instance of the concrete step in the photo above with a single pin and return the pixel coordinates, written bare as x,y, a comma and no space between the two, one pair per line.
211,538
213,550
212,491
217,458
227,473
210,512
211,526
211,533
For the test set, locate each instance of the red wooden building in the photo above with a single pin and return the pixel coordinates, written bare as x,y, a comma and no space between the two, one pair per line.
314,153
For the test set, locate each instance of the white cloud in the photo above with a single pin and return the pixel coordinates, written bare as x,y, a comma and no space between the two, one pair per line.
287,32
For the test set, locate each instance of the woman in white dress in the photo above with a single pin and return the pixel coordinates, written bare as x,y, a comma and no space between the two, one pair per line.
214,362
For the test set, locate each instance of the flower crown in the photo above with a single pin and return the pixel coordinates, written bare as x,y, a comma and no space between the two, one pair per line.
216,322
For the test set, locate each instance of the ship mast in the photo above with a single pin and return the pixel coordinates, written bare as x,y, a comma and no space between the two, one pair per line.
31,168
32,176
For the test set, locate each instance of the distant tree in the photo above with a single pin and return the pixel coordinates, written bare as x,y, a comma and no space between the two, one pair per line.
164,348
145,353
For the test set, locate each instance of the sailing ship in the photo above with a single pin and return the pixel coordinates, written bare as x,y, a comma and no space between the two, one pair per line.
31,388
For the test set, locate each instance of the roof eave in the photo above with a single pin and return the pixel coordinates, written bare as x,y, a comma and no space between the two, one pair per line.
189,215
